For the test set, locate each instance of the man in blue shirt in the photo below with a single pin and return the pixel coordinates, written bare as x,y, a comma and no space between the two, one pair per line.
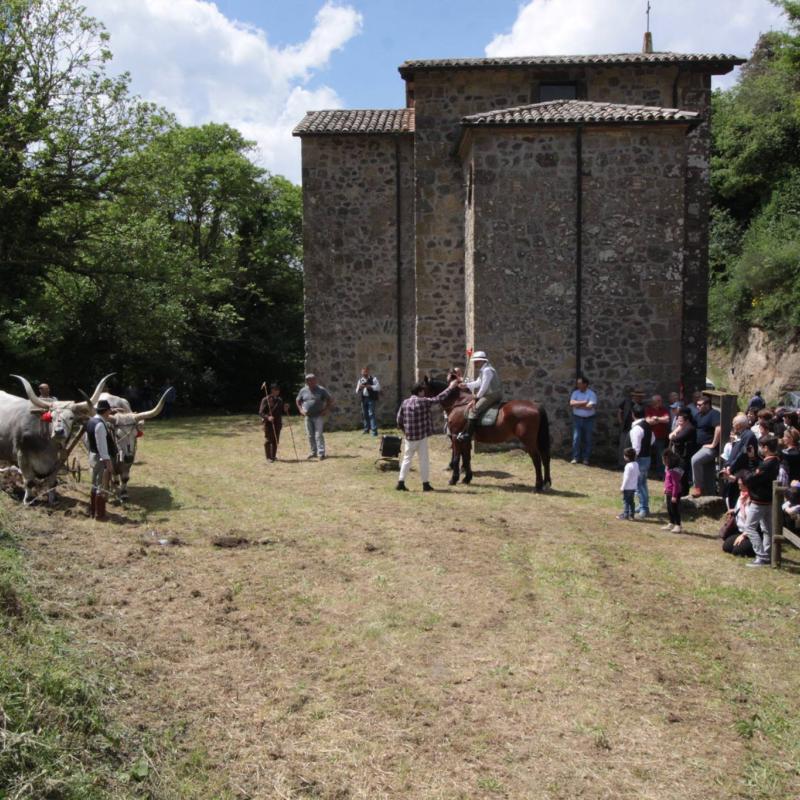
583,402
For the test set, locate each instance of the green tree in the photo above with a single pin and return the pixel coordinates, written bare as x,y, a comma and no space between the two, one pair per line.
755,234
127,242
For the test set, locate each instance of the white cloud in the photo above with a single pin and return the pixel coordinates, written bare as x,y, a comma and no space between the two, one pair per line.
574,27
189,57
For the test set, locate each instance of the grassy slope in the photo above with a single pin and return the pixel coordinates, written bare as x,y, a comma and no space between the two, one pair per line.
481,642
55,739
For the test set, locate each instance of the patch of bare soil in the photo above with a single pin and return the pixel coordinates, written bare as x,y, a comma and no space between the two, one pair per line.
317,634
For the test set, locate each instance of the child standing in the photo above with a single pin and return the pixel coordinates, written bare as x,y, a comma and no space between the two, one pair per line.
672,490
630,480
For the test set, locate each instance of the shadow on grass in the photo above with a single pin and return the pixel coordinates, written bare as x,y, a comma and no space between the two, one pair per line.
530,487
491,473
151,498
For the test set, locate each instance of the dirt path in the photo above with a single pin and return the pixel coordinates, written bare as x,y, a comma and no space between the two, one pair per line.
479,642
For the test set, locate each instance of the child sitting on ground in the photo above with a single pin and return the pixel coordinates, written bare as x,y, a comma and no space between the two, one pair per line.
630,480
672,490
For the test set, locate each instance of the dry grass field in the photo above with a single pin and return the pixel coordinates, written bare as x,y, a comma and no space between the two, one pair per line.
478,642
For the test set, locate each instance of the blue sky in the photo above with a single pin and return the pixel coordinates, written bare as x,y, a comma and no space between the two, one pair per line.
258,65
365,71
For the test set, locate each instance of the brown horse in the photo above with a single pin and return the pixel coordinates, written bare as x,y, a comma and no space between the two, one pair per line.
518,419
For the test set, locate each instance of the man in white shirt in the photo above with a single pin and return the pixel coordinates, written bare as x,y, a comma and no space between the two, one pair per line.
488,391
102,451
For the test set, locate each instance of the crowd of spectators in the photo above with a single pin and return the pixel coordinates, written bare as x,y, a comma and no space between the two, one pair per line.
682,443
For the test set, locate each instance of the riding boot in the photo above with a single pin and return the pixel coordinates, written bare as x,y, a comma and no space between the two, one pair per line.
266,449
100,508
466,434
93,504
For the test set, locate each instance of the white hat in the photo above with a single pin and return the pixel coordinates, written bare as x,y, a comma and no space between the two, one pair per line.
479,355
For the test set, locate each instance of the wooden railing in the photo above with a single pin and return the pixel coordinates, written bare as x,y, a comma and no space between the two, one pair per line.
779,533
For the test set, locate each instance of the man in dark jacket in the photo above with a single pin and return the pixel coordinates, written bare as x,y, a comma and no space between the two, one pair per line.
744,455
758,524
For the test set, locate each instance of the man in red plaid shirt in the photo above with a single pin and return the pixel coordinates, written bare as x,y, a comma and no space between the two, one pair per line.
414,419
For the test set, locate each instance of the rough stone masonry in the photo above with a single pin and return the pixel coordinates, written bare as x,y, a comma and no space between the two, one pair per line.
550,210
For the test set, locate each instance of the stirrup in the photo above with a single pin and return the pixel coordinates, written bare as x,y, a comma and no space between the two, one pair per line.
464,436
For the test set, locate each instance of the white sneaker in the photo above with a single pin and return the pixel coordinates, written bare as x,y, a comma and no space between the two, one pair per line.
667,527
574,461
676,529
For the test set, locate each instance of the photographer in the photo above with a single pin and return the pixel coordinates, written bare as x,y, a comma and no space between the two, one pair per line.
368,390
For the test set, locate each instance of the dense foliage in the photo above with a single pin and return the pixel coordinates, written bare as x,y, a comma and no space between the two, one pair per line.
755,232
129,243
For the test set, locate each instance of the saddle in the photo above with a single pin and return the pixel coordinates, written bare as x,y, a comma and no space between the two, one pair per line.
489,418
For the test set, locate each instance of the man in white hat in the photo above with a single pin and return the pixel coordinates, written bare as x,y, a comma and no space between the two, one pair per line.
488,391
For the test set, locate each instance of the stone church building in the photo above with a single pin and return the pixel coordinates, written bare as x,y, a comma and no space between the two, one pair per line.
551,210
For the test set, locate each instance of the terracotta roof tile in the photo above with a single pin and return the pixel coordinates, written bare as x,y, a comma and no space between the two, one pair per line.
717,63
560,112
359,122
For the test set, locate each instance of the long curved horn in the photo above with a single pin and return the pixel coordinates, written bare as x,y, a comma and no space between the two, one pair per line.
98,391
85,407
37,401
154,412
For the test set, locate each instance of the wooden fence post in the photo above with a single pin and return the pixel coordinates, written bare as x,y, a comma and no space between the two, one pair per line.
777,525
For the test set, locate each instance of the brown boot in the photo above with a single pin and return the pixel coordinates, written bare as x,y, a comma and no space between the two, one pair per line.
93,504
100,508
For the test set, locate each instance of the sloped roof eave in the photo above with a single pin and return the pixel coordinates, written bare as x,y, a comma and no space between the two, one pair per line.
714,63
357,122
469,125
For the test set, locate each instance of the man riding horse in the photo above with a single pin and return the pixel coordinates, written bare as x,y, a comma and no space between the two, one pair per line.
488,391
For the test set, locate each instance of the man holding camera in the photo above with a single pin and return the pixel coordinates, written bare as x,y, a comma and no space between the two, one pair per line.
368,390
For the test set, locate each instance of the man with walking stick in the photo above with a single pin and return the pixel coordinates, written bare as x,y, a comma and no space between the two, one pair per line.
271,411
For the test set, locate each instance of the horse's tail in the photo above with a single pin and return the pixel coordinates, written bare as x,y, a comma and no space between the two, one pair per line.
543,441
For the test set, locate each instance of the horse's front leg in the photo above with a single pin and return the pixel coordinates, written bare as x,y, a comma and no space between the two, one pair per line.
466,457
454,466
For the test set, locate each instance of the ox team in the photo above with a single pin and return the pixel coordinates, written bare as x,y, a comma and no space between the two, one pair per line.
34,435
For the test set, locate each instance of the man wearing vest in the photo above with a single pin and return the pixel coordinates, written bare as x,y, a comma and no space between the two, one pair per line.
102,452
487,389
642,441
368,390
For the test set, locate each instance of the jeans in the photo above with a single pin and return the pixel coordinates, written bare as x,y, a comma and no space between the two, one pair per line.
758,527
641,487
627,502
705,455
659,446
582,429
419,446
368,414
316,441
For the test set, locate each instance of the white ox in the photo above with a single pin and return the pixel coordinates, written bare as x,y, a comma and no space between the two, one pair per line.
128,426
34,434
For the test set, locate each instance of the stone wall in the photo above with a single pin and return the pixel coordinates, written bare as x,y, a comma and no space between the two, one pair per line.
522,252
350,245
443,97
693,92
633,261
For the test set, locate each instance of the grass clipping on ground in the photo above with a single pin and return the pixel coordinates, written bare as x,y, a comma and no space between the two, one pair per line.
302,630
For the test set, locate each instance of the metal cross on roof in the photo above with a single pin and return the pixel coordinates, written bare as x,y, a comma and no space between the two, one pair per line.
648,16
